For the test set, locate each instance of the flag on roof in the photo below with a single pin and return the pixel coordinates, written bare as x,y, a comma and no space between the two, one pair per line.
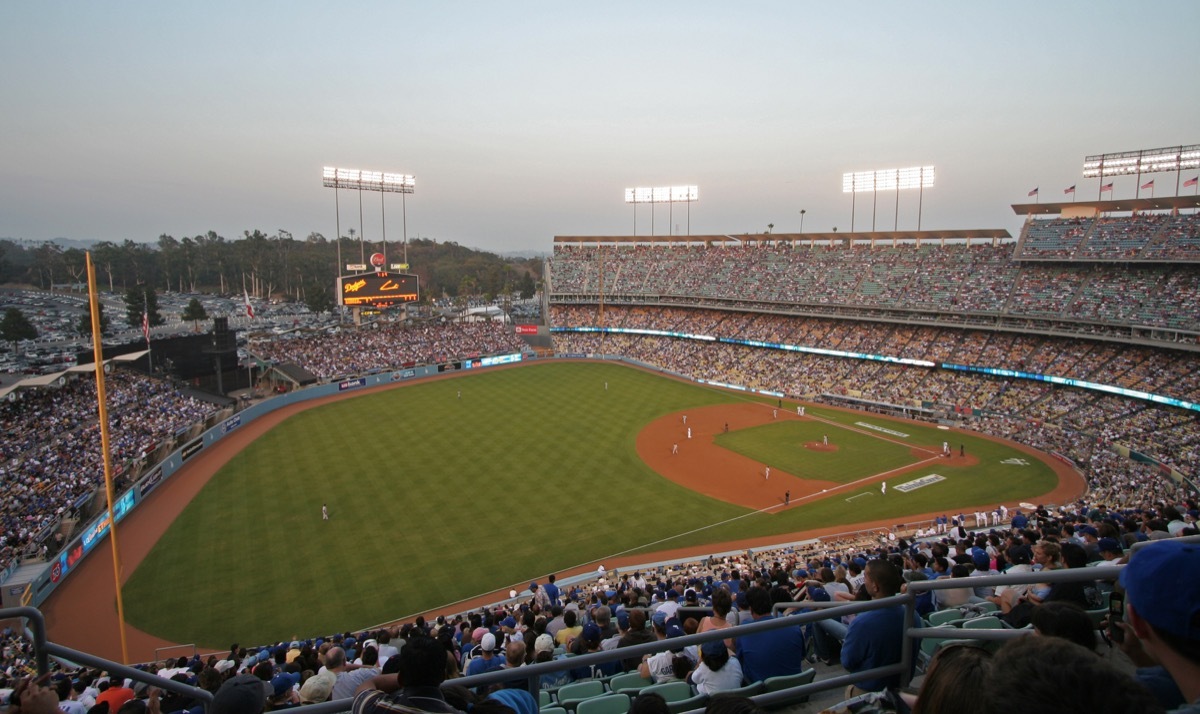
1106,187
1191,182
1148,184
1069,190
1034,192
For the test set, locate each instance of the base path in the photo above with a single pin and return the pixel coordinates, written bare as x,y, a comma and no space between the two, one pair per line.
699,464
82,612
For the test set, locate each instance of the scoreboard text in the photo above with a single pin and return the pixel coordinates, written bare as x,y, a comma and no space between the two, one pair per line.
377,288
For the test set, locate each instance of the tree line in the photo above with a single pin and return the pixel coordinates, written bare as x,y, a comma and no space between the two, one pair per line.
268,266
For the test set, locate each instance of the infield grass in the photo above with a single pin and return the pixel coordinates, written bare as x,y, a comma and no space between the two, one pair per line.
434,499
782,446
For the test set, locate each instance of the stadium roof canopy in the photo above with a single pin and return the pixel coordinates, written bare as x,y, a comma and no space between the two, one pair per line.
46,380
1133,205
903,236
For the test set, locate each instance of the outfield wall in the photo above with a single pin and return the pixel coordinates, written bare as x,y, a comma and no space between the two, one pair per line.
67,559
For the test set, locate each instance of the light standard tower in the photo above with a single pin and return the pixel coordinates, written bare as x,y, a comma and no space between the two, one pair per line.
661,194
802,212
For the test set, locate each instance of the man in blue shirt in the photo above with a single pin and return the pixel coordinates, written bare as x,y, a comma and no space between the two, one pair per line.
772,653
552,591
876,638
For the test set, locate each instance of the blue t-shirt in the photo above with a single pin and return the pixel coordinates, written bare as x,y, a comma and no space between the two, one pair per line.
773,653
479,665
875,639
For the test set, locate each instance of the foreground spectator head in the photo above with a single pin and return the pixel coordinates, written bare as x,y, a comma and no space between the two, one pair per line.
759,600
1066,620
945,687
882,579
1162,596
242,694
1049,674
317,688
649,703
422,662
518,700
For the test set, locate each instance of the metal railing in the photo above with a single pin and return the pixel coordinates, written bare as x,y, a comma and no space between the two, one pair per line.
44,649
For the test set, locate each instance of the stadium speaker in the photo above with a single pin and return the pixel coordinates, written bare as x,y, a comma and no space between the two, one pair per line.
224,339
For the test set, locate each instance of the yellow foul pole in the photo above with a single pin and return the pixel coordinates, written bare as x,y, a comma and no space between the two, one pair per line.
102,405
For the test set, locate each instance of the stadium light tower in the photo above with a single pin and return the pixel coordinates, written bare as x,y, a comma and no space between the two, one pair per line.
379,181
662,194
1142,161
918,177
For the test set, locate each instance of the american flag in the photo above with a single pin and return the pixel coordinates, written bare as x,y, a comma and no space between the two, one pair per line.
1191,182
1106,187
1148,184
1034,192
146,325
1069,190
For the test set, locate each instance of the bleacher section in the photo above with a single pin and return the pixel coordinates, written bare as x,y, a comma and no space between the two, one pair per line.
1075,275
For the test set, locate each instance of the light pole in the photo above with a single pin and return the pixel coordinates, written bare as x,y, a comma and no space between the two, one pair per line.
802,212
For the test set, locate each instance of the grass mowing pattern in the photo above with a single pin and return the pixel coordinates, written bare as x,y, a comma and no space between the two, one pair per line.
434,499
781,446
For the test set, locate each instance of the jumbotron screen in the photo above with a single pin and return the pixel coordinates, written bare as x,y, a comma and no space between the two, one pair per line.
377,289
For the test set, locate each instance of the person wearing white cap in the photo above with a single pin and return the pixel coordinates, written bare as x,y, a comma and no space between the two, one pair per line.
487,659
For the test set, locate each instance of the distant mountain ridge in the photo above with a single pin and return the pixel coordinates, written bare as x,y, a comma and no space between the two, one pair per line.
68,243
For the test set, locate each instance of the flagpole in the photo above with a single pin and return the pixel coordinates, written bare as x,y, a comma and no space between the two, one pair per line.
146,318
1178,168
1138,194
105,447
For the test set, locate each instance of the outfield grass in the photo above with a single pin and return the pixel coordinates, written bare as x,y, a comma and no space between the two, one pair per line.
435,499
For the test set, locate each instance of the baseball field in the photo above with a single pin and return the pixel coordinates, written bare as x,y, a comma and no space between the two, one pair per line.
445,490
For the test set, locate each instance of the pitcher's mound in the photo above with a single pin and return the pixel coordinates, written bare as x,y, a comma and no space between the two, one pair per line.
818,446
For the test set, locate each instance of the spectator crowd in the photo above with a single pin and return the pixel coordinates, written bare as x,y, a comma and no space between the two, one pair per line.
50,456
419,660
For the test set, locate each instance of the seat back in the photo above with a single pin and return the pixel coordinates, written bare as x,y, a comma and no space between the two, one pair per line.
943,617
606,704
630,683
775,684
747,691
686,705
671,691
570,694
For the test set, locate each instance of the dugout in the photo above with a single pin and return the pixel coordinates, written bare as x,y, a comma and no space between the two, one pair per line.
287,377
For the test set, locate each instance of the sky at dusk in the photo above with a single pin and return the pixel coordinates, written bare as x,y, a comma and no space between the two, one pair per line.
526,120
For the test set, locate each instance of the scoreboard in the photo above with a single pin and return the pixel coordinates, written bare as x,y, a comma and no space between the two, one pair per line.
377,289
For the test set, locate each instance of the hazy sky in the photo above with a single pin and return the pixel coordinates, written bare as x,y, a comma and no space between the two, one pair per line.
522,121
